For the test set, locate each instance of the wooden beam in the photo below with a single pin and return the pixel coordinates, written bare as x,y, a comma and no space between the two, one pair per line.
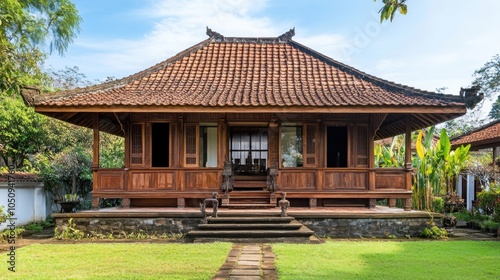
256,109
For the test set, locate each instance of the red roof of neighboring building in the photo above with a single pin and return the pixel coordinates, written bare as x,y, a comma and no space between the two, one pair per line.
20,177
486,136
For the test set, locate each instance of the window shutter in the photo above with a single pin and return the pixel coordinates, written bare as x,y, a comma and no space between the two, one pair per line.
310,145
191,145
137,144
362,145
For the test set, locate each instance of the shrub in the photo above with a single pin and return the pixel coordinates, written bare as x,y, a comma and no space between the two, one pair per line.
464,215
437,204
34,226
488,201
434,232
68,232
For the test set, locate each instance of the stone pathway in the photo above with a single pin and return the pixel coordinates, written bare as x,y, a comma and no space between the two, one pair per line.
249,262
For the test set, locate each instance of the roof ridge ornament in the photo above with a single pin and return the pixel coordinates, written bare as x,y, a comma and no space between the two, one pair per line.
287,36
213,34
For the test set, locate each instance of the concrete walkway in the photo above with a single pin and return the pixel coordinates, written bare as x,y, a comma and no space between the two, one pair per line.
249,262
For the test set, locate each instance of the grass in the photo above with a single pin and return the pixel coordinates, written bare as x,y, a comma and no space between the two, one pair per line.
389,260
117,261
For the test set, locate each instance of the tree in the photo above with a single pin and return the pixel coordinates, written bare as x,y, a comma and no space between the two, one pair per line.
21,132
390,8
495,110
29,30
488,79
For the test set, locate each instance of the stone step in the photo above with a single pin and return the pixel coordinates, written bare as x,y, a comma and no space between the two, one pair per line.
300,240
303,232
249,220
291,226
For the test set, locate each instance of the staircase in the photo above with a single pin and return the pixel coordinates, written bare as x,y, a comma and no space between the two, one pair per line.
246,228
249,192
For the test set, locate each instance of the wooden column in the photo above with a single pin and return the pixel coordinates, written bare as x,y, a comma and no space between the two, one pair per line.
95,159
409,168
95,146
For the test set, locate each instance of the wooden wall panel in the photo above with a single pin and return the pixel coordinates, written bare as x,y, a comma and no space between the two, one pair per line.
345,180
152,181
111,180
202,180
387,180
297,180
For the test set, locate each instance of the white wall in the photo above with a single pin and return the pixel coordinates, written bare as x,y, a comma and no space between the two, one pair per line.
30,202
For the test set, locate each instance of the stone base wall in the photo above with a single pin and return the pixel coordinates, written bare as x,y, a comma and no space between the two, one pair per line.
366,227
323,227
120,227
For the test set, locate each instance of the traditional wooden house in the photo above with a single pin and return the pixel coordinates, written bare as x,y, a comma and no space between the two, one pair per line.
483,138
249,118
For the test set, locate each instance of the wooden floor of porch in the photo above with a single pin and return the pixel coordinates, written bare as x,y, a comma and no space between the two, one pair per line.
297,212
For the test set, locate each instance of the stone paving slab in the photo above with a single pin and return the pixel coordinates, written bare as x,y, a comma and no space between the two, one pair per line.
248,262
249,272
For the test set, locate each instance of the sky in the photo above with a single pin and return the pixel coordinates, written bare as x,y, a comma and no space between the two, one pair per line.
437,44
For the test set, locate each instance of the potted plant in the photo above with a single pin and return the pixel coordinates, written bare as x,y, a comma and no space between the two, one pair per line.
69,203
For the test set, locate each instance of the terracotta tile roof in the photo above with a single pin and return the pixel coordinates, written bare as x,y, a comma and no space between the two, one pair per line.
20,177
248,72
487,135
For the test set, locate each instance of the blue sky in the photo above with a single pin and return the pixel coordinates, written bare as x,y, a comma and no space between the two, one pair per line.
437,44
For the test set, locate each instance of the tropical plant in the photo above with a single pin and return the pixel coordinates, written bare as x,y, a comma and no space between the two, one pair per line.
392,155
436,166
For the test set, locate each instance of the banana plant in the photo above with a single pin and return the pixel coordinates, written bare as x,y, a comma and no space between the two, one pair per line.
436,168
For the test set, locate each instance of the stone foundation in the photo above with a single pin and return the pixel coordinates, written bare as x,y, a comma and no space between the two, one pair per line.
324,224
366,228
119,227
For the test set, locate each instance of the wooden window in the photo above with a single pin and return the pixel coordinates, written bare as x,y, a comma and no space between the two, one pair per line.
310,145
137,145
362,145
292,146
191,145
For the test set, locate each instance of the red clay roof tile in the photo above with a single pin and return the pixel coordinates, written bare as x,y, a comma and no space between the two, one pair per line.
249,72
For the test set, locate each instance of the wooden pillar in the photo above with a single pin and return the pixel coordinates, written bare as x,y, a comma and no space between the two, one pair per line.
313,203
95,159
181,202
392,202
126,202
95,146
409,168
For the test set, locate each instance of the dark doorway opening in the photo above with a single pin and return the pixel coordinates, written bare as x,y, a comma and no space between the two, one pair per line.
160,144
336,152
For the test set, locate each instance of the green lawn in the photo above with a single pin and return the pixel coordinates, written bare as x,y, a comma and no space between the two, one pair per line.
389,260
117,261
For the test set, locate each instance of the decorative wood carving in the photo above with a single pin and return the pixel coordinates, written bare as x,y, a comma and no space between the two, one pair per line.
136,144
191,147
147,154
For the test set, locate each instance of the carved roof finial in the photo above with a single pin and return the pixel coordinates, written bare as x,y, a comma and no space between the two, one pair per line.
213,34
287,36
